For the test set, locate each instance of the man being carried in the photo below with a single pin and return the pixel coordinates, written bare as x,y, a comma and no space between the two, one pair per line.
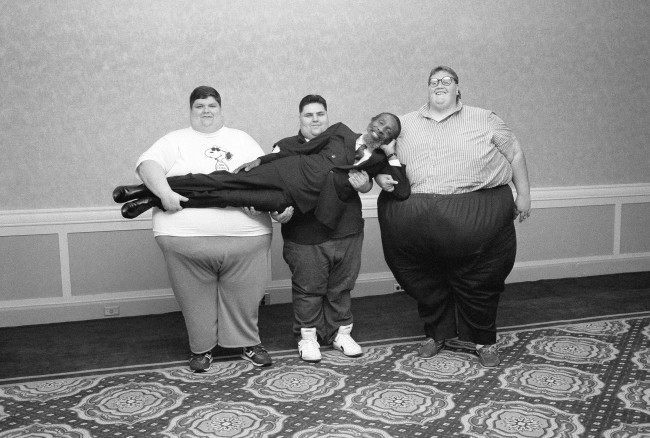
314,178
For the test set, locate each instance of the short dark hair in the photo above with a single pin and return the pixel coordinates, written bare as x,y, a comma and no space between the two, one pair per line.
311,98
448,70
397,122
203,92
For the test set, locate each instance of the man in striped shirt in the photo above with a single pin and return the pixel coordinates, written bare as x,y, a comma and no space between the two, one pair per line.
452,244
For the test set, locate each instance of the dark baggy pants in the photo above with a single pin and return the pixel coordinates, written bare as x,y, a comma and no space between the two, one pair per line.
452,254
261,187
322,278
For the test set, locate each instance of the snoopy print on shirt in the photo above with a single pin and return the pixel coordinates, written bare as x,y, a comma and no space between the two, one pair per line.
221,157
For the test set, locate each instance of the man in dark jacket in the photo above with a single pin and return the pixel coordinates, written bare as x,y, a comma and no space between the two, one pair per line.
324,262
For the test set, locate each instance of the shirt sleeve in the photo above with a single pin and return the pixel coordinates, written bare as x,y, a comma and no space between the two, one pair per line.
502,137
163,152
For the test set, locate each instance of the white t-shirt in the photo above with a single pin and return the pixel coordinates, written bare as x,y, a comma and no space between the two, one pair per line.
188,151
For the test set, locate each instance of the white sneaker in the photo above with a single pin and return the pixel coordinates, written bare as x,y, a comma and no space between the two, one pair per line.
344,342
308,347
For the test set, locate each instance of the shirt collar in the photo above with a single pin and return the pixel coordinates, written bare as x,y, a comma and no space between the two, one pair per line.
359,143
424,110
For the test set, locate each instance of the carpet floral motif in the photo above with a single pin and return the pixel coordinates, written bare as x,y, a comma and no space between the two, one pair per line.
218,371
297,383
226,419
520,419
505,340
44,390
629,431
38,430
636,395
550,381
611,328
370,355
129,403
341,431
399,402
445,366
579,350
642,359
586,378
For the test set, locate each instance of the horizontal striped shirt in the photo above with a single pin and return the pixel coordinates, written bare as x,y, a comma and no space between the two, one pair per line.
464,152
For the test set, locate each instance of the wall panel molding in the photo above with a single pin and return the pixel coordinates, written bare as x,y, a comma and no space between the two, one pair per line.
62,222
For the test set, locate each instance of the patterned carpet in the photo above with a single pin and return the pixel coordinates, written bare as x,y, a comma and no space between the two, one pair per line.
585,378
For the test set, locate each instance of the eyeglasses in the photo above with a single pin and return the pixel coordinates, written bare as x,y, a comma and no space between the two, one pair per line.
445,81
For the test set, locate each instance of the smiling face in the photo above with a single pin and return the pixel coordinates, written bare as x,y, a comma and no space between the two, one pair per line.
381,130
442,97
205,115
313,120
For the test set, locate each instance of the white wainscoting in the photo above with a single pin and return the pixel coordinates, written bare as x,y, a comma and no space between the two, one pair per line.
62,222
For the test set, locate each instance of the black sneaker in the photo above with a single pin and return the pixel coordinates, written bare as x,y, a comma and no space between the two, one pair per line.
430,347
488,355
257,355
200,363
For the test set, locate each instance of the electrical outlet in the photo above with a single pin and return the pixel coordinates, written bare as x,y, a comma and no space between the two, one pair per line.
397,287
111,310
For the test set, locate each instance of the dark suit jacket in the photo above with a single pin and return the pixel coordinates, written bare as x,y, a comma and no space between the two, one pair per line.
304,228
317,178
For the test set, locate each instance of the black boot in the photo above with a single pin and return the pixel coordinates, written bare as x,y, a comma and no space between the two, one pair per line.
127,193
135,208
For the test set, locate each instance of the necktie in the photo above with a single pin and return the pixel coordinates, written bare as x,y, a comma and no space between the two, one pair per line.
358,154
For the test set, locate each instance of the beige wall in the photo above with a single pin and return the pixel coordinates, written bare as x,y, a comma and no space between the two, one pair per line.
86,86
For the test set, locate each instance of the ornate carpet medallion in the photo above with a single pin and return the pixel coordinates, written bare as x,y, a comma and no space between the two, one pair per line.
341,431
551,382
399,402
38,430
578,350
636,395
520,419
226,419
586,378
443,367
629,431
604,328
44,390
297,383
218,371
370,355
642,359
129,403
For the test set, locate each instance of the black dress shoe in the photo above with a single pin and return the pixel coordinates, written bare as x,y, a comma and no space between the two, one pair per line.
135,208
127,193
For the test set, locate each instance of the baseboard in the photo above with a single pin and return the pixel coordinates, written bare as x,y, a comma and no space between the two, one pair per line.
369,284
86,310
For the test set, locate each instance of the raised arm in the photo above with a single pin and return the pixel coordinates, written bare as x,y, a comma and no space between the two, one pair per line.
153,176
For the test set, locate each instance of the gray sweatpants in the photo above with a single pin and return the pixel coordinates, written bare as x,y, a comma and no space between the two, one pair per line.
218,283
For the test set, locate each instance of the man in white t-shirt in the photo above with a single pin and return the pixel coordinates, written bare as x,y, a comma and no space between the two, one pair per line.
216,257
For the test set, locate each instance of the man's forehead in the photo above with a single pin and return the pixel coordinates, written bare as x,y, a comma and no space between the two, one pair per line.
313,108
387,119
209,99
